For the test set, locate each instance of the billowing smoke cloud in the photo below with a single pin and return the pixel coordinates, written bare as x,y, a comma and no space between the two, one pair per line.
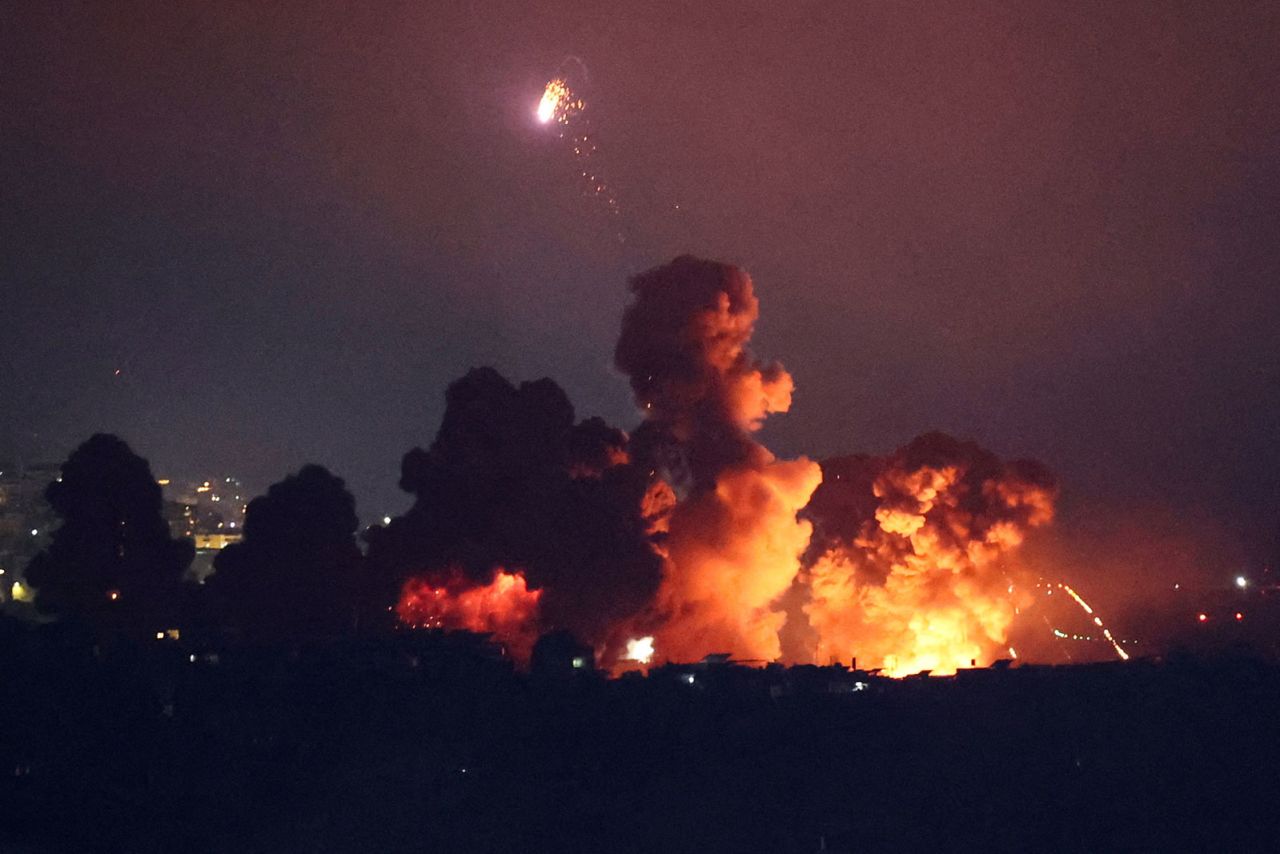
908,566
733,541
690,530
512,482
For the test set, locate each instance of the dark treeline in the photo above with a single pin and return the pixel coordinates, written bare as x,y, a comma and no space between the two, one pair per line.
511,480
430,741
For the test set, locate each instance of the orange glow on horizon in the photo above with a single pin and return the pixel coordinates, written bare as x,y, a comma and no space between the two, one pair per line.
505,607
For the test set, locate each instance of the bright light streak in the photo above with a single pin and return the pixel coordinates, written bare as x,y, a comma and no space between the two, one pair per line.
1097,621
1076,596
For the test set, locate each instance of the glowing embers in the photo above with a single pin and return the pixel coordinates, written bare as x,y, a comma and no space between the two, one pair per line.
565,108
558,102
505,607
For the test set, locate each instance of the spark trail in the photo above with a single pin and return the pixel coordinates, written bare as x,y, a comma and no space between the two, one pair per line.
1097,621
565,107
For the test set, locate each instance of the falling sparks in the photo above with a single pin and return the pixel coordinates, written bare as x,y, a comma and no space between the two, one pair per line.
565,108
1097,621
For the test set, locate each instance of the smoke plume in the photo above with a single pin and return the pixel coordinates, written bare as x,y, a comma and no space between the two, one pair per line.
689,534
733,541
512,482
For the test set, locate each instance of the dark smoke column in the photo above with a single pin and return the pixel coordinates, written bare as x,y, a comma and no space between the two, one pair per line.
734,541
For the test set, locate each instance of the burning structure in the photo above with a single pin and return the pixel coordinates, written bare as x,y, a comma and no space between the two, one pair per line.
689,536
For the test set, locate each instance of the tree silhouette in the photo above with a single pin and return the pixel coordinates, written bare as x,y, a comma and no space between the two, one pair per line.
111,564
513,481
559,655
294,576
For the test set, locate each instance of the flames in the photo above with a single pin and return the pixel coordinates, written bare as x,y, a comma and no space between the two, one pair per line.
732,541
911,567
906,562
505,607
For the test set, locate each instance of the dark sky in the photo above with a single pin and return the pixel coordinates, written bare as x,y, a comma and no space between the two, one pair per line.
1052,228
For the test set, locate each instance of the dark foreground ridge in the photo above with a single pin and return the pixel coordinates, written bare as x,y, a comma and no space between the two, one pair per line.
431,741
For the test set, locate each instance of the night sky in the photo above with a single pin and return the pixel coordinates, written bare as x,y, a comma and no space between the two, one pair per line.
1051,228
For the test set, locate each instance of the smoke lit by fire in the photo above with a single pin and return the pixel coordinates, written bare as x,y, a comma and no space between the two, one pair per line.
733,541
505,607
688,536
909,565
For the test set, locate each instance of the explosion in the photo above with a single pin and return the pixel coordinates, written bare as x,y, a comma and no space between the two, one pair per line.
732,542
639,650
505,607
688,536
907,568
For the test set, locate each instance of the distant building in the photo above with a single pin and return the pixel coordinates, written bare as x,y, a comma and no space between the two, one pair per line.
25,520
208,512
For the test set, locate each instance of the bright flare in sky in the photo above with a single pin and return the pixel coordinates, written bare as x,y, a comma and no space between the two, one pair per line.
558,102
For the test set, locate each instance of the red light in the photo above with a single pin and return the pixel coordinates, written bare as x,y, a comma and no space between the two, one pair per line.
1202,617
1239,616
